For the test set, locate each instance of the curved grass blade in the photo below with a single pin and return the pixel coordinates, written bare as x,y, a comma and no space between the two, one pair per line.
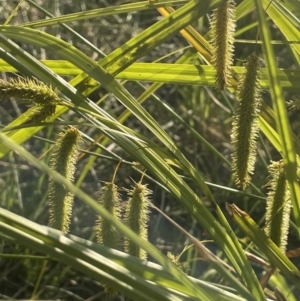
201,75
102,12
268,247
87,261
283,22
147,270
281,116
169,73
147,160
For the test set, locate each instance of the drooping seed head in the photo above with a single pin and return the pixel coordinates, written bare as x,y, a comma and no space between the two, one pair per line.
294,104
137,217
223,27
28,90
245,128
109,198
39,113
278,205
63,160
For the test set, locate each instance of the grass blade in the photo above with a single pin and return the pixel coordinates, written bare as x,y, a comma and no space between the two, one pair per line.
281,117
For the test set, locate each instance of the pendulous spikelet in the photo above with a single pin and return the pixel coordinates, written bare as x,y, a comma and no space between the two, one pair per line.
245,126
39,113
26,89
278,206
137,217
110,200
223,26
63,160
294,104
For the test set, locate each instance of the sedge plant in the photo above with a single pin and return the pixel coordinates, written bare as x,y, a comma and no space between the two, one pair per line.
189,175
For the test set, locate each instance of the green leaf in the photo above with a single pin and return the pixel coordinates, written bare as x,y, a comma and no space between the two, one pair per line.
281,116
83,259
101,12
265,244
121,267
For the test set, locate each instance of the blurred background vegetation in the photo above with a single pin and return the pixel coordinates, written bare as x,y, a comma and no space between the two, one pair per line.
208,111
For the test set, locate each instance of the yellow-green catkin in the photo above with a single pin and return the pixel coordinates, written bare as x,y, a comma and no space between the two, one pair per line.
294,104
223,27
278,206
137,217
28,90
109,198
245,128
176,260
110,292
63,160
40,113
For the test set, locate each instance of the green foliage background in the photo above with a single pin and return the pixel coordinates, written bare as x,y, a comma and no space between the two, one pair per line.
140,90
